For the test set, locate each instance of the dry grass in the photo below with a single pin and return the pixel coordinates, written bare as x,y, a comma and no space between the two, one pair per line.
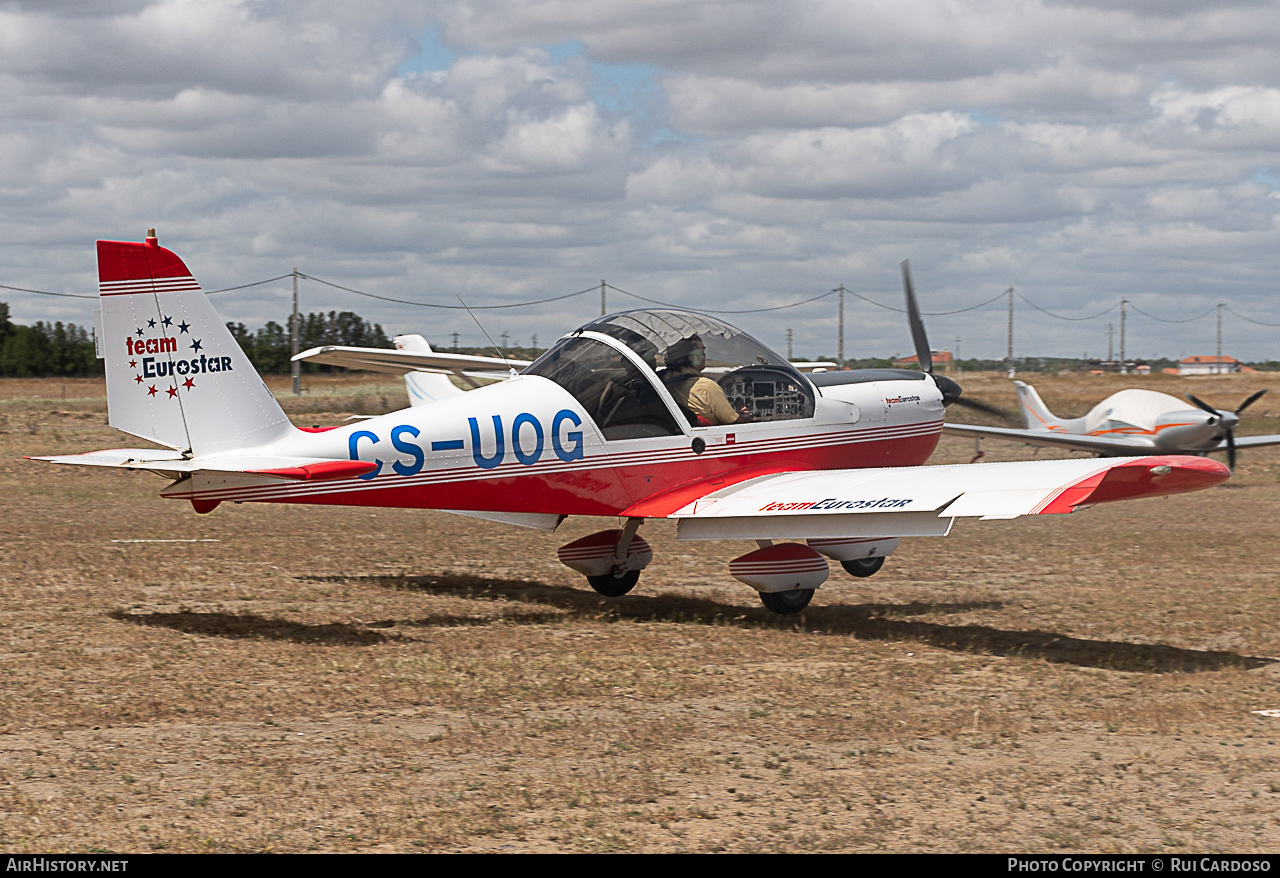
382,680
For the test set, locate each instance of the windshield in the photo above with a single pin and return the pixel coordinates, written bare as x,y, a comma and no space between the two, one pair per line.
615,394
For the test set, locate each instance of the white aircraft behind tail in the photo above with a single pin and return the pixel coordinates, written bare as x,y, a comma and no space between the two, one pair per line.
1130,422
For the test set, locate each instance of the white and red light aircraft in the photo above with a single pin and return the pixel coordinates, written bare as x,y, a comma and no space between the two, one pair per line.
1130,422
589,429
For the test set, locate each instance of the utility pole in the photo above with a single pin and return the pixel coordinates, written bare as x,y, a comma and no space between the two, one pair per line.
956,358
1012,370
840,336
789,357
1110,358
504,337
293,340
455,341
1124,313
603,309
1220,366
534,347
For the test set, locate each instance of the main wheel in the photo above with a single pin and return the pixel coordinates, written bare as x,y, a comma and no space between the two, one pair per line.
862,566
787,602
613,585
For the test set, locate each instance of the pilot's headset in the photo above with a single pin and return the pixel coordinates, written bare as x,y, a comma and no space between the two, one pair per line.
687,350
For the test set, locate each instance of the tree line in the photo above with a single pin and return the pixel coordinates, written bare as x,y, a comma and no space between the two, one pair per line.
66,350
269,348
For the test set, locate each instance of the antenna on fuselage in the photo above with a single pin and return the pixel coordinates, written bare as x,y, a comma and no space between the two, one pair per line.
501,355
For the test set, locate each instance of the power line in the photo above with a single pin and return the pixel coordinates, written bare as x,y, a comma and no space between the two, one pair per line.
46,292
591,289
661,303
721,311
1163,320
1248,319
1060,316
928,313
256,283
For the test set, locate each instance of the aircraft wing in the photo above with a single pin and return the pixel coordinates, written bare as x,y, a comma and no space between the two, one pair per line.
923,500
1077,441
398,362
1250,442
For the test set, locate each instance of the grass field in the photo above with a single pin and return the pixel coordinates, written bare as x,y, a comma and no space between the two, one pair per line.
277,678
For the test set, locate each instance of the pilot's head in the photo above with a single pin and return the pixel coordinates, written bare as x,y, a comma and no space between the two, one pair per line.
687,352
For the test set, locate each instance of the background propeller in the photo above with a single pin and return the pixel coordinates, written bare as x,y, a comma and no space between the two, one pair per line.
919,338
1227,420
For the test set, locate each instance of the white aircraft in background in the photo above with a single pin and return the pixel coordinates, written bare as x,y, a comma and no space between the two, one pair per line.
830,460
1130,422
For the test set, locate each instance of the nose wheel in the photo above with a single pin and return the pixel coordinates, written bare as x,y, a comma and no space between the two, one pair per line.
614,584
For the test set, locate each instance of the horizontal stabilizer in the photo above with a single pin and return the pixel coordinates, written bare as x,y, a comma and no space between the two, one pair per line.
174,465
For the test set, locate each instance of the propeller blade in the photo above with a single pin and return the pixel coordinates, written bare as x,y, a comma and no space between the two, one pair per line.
1200,403
1231,450
918,337
1251,400
985,408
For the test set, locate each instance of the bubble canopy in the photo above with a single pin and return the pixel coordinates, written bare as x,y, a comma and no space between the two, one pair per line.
652,332
628,402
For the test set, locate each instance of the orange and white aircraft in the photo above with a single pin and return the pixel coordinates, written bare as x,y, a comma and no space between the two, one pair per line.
1130,422
598,426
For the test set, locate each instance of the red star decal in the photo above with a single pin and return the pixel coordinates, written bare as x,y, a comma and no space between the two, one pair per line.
133,364
137,378
151,391
172,391
188,384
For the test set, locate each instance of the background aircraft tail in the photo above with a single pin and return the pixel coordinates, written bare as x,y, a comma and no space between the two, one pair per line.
175,374
1034,411
424,387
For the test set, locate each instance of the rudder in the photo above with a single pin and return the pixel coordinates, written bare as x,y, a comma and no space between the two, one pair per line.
175,374
1034,411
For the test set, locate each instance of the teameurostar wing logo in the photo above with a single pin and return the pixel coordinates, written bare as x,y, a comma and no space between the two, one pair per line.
166,357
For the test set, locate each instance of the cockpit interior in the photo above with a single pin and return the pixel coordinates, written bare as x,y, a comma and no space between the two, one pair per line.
621,367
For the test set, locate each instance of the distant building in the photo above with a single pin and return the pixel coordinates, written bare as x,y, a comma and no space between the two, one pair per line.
1208,365
1097,367
941,360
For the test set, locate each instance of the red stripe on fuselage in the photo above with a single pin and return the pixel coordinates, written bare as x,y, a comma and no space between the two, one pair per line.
646,488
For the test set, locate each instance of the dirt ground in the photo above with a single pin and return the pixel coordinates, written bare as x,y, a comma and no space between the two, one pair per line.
273,678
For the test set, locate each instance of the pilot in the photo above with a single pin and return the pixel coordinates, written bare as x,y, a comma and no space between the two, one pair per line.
694,393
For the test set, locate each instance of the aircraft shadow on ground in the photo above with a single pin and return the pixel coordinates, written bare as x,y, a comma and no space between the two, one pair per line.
862,621
252,627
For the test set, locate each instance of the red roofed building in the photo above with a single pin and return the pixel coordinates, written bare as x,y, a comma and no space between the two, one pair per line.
1208,365
941,360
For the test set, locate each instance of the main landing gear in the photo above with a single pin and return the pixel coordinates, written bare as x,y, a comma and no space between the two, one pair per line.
610,559
784,574
614,585
863,567
786,603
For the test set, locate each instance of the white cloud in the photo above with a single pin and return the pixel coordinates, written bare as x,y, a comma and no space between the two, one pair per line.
1082,151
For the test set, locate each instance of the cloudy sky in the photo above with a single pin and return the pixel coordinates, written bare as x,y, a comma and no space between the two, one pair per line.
722,155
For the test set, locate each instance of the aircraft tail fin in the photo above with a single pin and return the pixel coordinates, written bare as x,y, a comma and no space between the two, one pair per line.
1034,411
413,343
175,374
424,387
